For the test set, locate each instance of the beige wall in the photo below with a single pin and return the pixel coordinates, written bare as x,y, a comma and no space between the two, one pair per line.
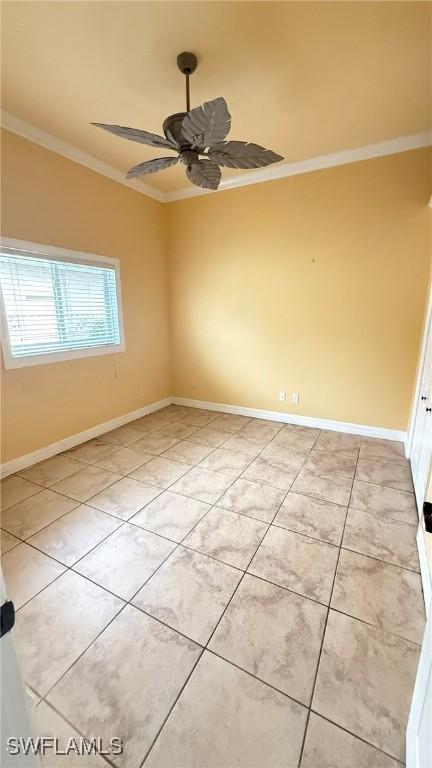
314,284
48,199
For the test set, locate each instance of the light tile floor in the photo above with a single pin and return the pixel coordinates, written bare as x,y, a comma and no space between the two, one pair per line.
218,591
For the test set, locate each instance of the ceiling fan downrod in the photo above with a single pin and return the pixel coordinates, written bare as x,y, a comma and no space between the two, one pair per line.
187,63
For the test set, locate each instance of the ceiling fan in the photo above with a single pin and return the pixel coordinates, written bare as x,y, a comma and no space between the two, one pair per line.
197,132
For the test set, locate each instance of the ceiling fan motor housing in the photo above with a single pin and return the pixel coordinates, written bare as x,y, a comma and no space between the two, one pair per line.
172,128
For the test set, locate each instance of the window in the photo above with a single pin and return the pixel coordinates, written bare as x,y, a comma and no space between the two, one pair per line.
57,304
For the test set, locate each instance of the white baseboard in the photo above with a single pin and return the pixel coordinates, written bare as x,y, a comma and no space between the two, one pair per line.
9,467
291,418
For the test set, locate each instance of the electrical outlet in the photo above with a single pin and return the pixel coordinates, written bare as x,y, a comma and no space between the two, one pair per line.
282,396
295,398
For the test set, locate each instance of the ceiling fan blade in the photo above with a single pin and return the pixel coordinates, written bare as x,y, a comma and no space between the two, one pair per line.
204,173
241,154
208,124
151,166
134,134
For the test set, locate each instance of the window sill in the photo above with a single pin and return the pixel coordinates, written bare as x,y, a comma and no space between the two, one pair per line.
59,357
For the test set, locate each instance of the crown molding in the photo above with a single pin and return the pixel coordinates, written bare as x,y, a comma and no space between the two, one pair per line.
47,140
283,170
273,172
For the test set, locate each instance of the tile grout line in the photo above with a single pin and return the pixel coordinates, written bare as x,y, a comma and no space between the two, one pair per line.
105,758
46,694
379,559
146,754
340,546
355,736
384,630
383,516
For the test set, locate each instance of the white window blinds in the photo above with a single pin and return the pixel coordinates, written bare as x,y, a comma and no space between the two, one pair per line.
55,306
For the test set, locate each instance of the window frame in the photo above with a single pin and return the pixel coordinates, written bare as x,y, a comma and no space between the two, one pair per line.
55,253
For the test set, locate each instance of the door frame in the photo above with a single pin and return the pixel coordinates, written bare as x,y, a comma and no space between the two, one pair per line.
421,697
416,400
426,575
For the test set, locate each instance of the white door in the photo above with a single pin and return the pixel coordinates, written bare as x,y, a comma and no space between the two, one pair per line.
418,736
420,446
421,431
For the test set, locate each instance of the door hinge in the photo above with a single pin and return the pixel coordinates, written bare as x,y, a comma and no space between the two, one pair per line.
427,514
7,619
